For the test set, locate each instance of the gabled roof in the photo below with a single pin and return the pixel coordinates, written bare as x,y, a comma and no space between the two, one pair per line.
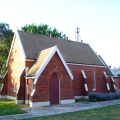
72,52
43,59
107,69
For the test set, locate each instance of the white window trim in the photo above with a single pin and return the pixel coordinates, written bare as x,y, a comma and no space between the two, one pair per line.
35,81
15,89
32,84
114,86
94,80
108,87
112,79
86,87
83,73
33,91
105,75
18,89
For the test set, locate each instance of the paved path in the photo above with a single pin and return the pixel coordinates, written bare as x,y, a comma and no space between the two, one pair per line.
58,109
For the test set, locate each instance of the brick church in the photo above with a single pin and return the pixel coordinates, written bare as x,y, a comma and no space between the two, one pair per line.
43,70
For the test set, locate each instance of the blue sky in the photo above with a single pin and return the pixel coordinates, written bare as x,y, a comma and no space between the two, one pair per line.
98,20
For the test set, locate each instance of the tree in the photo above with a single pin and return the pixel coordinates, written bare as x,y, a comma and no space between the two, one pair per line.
43,29
6,35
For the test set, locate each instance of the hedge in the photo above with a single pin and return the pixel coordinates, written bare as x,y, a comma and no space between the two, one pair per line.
99,96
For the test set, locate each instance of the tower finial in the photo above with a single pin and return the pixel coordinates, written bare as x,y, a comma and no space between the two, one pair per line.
77,35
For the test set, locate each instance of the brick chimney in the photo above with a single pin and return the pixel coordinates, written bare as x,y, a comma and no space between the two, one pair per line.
109,67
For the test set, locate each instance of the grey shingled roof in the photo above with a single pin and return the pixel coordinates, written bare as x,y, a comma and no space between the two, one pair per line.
107,69
116,71
40,60
73,52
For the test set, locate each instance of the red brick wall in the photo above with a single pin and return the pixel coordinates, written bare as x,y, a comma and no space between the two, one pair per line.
42,86
105,86
16,65
21,92
117,82
78,82
111,83
28,63
5,82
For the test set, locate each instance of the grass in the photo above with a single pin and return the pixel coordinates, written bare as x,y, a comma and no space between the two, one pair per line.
104,113
118,90
8,107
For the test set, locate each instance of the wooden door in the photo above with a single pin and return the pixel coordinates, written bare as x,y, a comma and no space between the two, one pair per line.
54,89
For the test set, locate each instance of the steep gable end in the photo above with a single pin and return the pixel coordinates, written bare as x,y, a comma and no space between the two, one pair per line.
42,61
16,42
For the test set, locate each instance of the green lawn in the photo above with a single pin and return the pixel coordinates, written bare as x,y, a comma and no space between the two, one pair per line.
118,90
104,113
7,107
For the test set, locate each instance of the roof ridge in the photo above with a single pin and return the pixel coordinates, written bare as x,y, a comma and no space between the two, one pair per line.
54,37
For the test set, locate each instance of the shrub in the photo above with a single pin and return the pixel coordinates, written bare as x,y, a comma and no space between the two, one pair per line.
117,94
99,96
